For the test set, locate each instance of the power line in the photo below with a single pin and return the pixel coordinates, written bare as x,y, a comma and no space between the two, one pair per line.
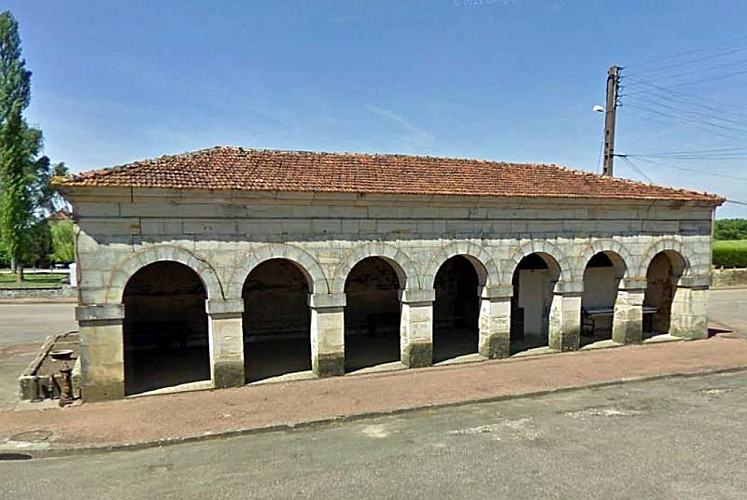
710,79
702,154
723,112
689,70
693,112
678,55
693,158
714,174
694,151
680,120
692,117
635,167
684,97
730,64
706,58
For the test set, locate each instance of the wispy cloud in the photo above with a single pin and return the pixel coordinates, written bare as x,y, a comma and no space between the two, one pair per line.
414,136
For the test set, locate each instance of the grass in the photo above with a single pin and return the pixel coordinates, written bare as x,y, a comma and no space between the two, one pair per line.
52,280
730,244
730,253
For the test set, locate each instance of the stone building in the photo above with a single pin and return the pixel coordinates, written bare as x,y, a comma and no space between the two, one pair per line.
226,266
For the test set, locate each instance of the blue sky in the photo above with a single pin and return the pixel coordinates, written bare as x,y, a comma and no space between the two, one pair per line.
509,80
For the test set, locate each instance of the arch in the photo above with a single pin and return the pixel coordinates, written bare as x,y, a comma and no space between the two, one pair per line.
663,274
666,244
373,313
538,247
402,264
276,322
457,287
305,262
535,279
486,268
152,254
165,330
603,274
620,251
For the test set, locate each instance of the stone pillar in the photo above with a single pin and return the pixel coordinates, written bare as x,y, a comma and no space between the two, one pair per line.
327,334
416,327
101,351
226,338
627,322
690,308
495,321
565,316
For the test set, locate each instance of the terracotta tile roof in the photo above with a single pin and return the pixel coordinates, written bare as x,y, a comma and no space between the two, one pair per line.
231,168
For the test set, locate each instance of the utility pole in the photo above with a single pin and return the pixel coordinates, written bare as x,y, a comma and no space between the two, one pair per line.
613,81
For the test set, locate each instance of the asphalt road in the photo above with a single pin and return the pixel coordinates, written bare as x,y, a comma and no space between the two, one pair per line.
728,308
23,328
678,438
27,323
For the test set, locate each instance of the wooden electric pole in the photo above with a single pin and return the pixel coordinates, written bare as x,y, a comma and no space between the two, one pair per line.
613,79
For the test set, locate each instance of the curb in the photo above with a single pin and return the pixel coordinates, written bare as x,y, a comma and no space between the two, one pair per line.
38,451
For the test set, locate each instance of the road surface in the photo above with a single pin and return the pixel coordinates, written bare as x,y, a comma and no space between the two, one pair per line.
680,438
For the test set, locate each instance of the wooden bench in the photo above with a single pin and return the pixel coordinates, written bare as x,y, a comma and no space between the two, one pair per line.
589,314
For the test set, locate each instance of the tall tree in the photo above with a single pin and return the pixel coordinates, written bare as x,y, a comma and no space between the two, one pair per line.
19,146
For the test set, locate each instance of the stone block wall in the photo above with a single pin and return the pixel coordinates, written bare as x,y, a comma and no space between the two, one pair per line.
725,278
223,236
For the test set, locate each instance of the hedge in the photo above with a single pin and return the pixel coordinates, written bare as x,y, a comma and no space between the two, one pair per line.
730,253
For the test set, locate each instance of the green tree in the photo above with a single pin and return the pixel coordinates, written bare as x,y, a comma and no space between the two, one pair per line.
730,229
62,242
46,198
38,249
24,177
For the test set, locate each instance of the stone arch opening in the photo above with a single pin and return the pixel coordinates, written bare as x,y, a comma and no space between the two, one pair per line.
165,328
276,320
372,313
601,278
662,277
533,282
456,310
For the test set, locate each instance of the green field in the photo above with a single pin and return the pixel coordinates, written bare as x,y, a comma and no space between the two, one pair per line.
32,281
730,253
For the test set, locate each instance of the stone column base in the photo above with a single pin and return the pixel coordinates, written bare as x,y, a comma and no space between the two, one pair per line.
416,328
495,322
101,351
565,318
226,343
91,393
327,334
228,374
690,308
627,322
328,364
495,347
417,354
